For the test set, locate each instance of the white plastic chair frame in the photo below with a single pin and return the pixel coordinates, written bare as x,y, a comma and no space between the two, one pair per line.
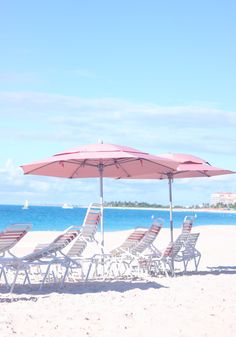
189,252
73,258
128,254
47,255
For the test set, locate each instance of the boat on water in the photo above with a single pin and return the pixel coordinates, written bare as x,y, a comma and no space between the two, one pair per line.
67,206
26,205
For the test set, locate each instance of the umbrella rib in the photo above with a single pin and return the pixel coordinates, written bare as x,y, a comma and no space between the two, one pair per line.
80,165
140,159
60,161
118,161
77,162
151,161
122,169
77,168
39,167
203,173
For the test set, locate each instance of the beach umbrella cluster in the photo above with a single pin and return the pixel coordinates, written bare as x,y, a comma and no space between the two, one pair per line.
121,162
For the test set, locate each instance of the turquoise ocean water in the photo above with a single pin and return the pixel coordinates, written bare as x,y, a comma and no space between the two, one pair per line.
56,218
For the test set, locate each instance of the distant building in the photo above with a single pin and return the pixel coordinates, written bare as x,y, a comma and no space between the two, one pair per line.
225,198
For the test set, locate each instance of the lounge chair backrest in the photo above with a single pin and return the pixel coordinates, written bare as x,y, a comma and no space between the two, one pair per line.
77,248
136,235
148,238
12,235
43,251
188,224
179,242
189,245
177,245
168,251
91,222
87,231
173,248
130,241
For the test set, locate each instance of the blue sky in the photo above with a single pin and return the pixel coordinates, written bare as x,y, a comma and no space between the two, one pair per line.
159,76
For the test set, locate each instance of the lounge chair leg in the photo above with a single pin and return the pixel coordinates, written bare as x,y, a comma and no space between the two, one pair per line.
64,276
185,262
5,277
110,268
89,270
54,277
15,278
45,276
197,262
26,278
165,270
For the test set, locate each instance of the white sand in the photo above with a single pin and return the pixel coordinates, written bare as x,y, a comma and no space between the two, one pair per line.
196,305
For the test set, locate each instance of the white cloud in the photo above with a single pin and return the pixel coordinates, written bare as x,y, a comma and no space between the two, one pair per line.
42,122
39,186
61,105
10,174
156,129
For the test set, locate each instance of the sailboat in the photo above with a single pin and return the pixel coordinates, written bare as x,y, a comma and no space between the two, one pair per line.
67,206
26,205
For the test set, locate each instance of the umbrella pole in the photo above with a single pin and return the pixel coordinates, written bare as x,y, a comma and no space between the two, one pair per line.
171,208
170,179
101,168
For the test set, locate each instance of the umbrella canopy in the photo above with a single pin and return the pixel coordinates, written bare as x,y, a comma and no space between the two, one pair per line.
189,167
198,171
101,160
184,158
116,161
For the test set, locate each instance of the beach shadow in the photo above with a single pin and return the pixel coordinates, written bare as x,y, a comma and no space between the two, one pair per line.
212,270
80,287
222,269
106,286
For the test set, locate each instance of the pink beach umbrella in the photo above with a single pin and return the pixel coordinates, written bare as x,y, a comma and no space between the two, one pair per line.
189,167
101,160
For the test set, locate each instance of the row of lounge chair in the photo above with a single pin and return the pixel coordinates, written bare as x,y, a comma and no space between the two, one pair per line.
63,258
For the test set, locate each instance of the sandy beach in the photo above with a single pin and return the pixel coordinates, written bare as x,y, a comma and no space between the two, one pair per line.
196,304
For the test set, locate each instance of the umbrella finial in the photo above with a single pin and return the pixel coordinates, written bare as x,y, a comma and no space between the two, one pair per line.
100,141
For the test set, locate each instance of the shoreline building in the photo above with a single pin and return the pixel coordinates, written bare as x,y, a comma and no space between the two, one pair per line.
226,198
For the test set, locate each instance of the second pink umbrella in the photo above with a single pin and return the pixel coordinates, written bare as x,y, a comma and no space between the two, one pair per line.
189,167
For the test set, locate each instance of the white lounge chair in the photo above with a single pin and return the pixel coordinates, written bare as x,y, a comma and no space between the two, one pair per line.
105,259
45,255
10,236
73,259
123,261
189,252
162,262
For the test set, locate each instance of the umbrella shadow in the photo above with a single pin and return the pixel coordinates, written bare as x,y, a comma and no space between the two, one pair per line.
212,270
223,269
76,288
